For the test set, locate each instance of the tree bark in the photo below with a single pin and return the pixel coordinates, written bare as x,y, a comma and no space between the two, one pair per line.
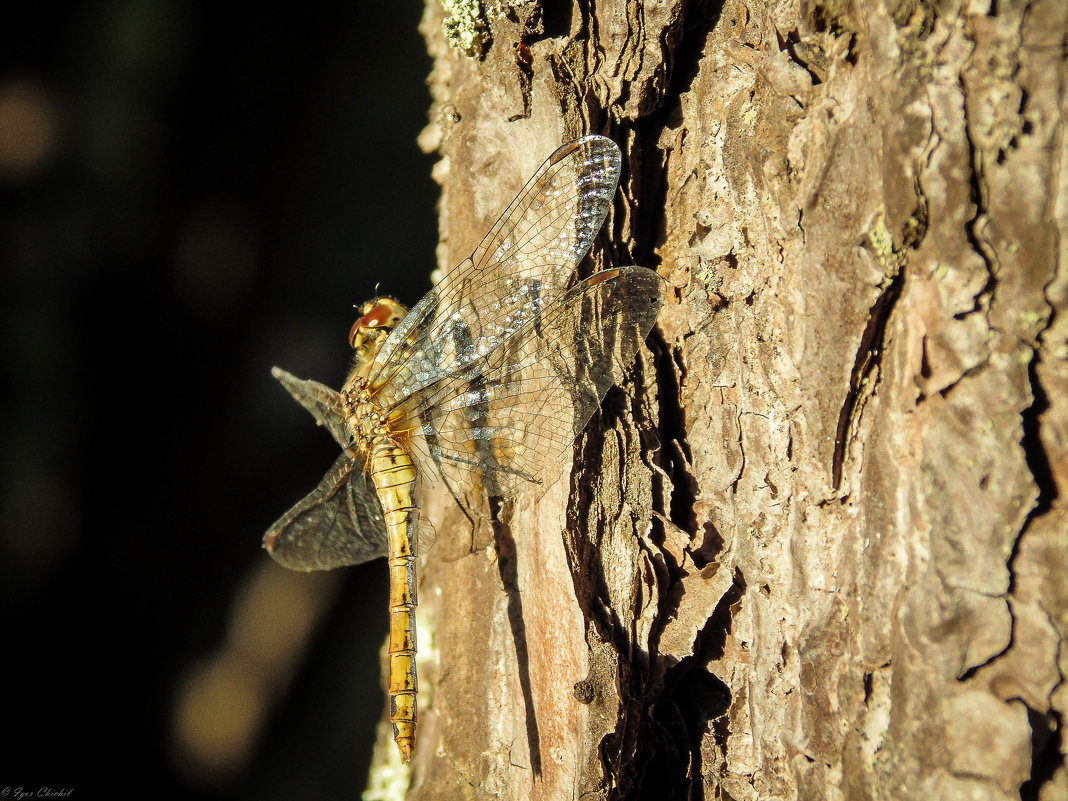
817,546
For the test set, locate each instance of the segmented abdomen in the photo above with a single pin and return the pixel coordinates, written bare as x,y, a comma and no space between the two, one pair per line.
394,478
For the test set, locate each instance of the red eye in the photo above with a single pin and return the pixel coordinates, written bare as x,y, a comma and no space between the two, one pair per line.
378,317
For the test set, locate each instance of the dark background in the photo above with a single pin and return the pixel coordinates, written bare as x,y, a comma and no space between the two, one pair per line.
190,193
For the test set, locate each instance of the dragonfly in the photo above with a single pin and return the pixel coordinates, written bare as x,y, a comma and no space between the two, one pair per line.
481,387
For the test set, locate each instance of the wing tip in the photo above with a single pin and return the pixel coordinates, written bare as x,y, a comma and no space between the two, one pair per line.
568,148
272,543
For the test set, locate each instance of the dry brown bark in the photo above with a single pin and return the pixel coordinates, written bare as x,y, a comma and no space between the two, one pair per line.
818,545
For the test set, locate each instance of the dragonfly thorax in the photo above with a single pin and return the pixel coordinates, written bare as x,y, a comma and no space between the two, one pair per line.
364,418
366,421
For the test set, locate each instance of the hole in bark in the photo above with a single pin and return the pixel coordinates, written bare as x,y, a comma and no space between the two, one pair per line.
925,364
793,47
556,20
710,547
851,51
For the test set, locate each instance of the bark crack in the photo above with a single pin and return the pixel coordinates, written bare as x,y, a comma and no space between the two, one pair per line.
865,366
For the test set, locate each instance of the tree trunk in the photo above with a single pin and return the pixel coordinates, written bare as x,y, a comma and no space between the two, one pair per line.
817,546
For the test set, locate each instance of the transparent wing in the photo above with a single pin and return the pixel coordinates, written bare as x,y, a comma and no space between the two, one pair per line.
510,418
323,403
525,263
339,523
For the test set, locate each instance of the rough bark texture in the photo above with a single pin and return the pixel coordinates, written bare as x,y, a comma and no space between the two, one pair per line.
817,547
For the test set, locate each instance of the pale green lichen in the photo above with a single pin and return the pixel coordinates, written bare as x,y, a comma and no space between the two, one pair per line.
464,26
390,779
750,114
881,243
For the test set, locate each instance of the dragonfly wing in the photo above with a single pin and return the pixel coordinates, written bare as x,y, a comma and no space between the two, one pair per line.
523,265
509,419
339,523
323,403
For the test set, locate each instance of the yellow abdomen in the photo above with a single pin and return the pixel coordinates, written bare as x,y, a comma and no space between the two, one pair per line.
393,475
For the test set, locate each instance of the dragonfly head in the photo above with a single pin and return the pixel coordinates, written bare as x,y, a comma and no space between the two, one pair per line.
377,318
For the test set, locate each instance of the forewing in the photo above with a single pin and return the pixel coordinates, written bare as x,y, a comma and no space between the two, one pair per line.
510,418
523,265
339,523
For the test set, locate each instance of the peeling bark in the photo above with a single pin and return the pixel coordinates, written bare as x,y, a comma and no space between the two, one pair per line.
816,547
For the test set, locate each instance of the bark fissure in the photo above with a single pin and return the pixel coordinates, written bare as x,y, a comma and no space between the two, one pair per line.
1034,451
865,366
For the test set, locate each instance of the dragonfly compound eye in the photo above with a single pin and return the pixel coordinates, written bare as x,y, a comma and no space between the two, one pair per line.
385,313
378,316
